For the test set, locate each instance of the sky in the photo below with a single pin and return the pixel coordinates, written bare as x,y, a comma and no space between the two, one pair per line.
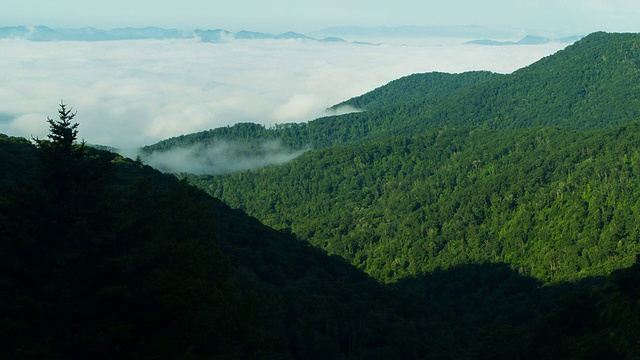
582,16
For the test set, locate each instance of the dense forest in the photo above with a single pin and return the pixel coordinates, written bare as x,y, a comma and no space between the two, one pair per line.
104,257
554,204
534,170
496,216
335,130
416,87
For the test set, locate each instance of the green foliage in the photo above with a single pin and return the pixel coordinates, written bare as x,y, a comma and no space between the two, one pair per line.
151,267
590,84
87,273
417,87
554,204
154,268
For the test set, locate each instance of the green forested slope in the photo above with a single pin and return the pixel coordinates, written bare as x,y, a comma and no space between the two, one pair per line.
417,87
554,204
591,84
502,240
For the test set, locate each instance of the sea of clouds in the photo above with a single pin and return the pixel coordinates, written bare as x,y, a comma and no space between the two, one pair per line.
136,92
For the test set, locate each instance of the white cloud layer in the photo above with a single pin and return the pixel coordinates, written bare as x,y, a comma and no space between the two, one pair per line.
133,93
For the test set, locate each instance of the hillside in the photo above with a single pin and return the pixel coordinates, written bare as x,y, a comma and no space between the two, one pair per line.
434,85
589,85
554,204
335,130
499,221
404,205
103,257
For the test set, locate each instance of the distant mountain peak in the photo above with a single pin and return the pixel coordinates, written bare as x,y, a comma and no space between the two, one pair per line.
527,40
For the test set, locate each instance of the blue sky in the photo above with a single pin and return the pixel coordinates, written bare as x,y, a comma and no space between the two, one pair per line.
571,16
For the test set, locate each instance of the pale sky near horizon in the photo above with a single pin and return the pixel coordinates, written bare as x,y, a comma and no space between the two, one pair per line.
570,16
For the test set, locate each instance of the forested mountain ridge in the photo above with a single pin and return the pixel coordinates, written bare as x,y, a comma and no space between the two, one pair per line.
554,204
434,85
593,83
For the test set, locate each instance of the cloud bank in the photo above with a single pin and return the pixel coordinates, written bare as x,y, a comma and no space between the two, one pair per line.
134,93
221,157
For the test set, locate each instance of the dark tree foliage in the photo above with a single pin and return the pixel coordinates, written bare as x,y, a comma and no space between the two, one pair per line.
502,173
87,273
153,268
622,308
63,133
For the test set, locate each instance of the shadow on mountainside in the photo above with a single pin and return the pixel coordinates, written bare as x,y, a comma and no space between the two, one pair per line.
516,316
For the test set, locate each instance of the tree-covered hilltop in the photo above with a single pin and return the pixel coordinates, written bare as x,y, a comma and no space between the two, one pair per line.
553,204
333,130
591,84
416,87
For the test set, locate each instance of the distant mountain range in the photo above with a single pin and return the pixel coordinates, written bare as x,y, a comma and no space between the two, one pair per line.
329,35
44,33
221,35
462,31
527,40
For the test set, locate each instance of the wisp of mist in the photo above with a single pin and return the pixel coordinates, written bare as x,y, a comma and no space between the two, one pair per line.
221,157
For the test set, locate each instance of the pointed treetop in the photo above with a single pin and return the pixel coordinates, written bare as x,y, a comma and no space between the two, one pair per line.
63,132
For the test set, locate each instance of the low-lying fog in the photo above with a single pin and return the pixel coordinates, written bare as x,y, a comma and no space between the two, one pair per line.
134,93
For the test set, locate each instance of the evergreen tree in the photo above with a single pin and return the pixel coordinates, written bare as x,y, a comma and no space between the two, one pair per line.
63,134
61,155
